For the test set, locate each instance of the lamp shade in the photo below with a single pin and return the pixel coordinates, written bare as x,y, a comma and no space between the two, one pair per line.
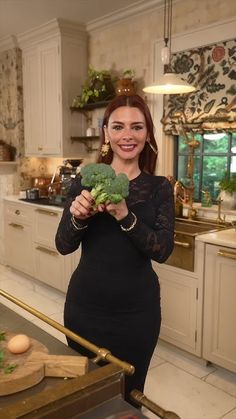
169,84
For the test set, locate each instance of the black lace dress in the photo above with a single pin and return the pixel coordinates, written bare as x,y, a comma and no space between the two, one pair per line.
113,298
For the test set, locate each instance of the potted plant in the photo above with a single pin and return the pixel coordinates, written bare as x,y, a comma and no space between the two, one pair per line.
228,191
126,85
97,87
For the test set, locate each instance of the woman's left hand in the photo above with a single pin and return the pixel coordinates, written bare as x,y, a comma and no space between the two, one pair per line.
118,211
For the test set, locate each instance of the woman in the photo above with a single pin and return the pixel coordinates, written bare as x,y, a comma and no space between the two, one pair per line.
113,298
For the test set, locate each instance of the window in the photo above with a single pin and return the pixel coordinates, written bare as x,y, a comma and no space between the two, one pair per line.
213,157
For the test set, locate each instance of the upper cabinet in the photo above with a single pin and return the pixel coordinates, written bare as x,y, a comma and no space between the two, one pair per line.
54,68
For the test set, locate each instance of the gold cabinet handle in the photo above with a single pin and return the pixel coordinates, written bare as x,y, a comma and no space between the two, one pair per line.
17,212
40,148
19,226
48,251
182,244
47,212
224,254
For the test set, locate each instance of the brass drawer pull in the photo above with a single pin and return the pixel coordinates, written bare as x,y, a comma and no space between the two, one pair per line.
182,244
16,225
229,255
47,212
17,212
48,251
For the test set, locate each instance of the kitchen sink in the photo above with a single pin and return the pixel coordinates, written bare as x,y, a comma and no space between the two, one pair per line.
198,226
185,232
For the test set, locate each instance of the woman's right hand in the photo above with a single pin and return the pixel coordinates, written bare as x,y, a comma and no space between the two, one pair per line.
81,207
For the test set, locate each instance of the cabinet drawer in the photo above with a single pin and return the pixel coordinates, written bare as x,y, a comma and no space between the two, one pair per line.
18,212
45,226
49,266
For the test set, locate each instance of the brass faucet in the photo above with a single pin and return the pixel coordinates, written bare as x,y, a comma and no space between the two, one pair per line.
219,218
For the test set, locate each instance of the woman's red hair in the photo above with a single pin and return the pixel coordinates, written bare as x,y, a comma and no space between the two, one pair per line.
148,157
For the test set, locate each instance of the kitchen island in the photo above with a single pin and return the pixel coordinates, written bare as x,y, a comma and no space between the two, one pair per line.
99,390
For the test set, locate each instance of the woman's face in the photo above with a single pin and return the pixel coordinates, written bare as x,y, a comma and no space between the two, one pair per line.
127,132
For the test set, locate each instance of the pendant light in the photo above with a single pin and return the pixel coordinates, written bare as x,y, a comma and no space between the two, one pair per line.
169,83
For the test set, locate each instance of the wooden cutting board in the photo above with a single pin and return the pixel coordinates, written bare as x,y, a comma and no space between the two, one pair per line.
35,364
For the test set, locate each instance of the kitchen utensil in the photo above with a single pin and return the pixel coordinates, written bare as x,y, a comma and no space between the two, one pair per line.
32,194
35,364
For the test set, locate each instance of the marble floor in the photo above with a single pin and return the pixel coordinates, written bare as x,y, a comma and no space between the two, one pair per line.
176,380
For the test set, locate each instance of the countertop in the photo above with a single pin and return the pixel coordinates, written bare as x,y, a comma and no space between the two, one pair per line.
225,238
16,199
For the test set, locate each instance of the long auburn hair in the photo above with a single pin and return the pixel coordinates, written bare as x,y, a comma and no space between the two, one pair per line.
148,157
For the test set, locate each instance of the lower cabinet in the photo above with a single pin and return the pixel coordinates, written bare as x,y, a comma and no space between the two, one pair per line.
219,331
180,308
30,244
19,238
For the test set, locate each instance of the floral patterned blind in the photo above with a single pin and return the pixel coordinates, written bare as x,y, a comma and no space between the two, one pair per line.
212,107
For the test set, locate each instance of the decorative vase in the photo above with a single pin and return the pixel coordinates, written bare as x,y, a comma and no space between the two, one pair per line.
229,200
125,86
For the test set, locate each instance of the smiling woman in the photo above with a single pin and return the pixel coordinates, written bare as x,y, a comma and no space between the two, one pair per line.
113,298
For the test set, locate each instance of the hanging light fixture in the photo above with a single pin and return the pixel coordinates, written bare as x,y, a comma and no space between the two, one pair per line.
169,83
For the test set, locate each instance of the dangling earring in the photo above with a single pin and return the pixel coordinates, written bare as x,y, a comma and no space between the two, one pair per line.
151,146
105,147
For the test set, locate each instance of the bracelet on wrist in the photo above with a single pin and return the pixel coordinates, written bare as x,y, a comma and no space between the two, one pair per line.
76,224
131,226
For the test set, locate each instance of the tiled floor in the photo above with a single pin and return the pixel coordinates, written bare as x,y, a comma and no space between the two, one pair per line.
176,380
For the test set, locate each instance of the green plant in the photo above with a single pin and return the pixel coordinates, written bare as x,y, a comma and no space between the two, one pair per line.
105,184
228,183
128,74
97,87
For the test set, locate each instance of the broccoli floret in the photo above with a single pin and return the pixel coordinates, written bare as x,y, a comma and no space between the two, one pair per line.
106,186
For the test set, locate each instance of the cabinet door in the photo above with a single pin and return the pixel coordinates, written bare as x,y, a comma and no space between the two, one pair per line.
51,111
18,246
31,93
179,305
219,337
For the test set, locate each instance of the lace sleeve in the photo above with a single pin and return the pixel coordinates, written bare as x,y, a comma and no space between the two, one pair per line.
68,238
156,242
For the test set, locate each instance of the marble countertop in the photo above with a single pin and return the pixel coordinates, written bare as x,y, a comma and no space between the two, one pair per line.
223,238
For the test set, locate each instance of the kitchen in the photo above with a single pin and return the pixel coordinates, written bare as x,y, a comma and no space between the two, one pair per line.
213,22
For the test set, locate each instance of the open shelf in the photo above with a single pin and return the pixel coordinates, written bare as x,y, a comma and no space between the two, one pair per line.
8,163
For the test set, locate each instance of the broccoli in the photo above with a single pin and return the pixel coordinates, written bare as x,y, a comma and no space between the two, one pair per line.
105,184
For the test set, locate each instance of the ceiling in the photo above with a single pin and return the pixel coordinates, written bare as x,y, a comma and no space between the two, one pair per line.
17,16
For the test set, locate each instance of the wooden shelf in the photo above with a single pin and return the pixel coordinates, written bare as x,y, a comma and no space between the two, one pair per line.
85,137
8,163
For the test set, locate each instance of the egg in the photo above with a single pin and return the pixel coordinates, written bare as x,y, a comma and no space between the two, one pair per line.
18,344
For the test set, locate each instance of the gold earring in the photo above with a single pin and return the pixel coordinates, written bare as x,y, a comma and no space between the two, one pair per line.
105,147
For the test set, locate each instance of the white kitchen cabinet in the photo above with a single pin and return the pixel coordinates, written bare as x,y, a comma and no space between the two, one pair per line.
181,303
30,244
219,331
19,237
54,68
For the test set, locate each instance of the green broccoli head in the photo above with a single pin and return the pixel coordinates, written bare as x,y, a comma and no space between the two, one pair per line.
106,186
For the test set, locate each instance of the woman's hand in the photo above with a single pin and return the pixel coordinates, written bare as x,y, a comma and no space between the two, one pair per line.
118,211
81,207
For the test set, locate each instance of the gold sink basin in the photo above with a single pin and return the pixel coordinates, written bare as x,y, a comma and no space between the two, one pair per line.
185,232
198,226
